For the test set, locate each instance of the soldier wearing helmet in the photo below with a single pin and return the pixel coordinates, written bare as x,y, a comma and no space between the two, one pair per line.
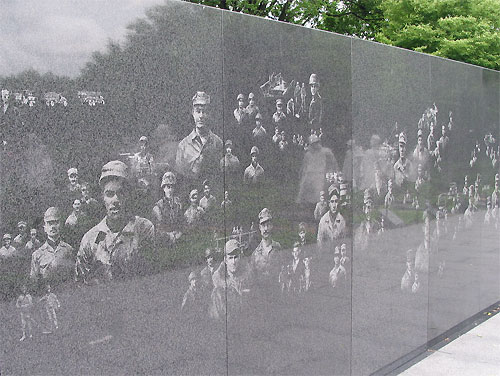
7,250
252,109
167,213
240,113
254,173
117,245
231,281
54,260
198,154
316,104
332,225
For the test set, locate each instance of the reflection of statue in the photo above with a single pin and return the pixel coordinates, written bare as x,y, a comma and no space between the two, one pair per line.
370,162
318,160
402,167
316,105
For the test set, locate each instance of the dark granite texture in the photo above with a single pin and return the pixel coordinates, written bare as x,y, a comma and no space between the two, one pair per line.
389,86
307,332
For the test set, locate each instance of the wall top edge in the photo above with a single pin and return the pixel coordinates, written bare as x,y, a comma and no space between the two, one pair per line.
352,38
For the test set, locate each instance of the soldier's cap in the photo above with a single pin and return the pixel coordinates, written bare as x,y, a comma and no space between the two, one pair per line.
52,214
251,95
402,138
240,96
193,275
232,246
296,245
313,139
313,79
265,215
228,143
279,101
116,169
343,246
208,253
192,193
420,132
367,196
22,224
332,190
302,227
201,98
143,139
6,236
168,178
258,116
72,171
254,150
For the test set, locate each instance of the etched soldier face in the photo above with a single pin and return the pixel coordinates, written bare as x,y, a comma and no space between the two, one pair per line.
314,88
419,170
254,159
21,228
251,101
6,242
420,141
241,103
76,205
226,195
265,229
52,228
84,190
333,204
343,250
232,262
302,235
206,191
296,252
33,233
229,150
210,261
322,197
73,179
115,198
402,149
201,116
193,198
168,189
336,260
443,130
368,209
143,146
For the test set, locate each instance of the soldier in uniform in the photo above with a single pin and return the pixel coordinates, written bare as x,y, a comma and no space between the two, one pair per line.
279,117
208,271
296,269
229,164
495,196
369,226
231,282
321,207
33,243
226,203
421,154
143,160
207,202
259,132
302,234
266,259
73,185
117,245
199,152
252,109
192,300
7,250
55,259
22,237
316,104
254,173
51,305
240,113
318,160
332,225
25,304
194,212
76,215
338,274
167,213
402,167
90,205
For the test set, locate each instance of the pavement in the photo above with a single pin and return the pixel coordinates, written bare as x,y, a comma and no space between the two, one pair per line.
476,352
